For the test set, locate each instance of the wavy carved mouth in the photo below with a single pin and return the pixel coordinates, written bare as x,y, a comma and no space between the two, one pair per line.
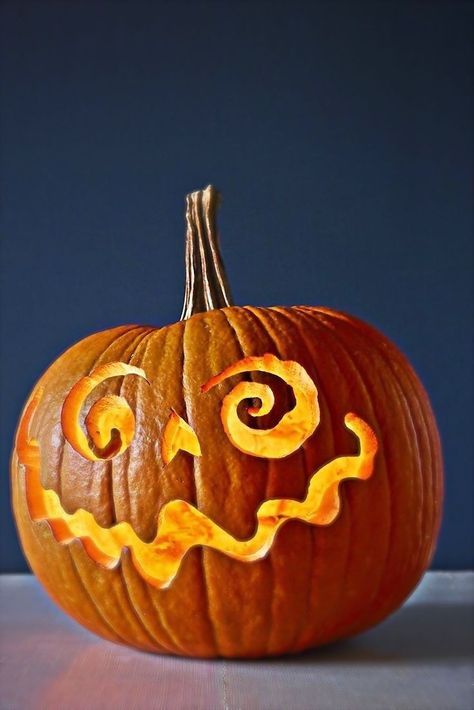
182,526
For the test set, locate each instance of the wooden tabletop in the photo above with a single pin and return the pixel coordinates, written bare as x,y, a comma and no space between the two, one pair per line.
419,658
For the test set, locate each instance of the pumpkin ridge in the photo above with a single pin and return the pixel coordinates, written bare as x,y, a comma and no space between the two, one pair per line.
247,313
203,576
139,354
390,600
253,315
251,375
211,565
158,603
322,395
282,313
315,323
162,351
175,645
348,345
126,454
407,419
261,315
416,483
207,556
346,348
92,599
145,609
122,612
106,464
268,558
134,608
134,352
242,313
155,359
71,551
420,455
436,485
172,643
58,475
410,382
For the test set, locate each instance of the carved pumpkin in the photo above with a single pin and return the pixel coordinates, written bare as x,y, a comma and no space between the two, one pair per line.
187,489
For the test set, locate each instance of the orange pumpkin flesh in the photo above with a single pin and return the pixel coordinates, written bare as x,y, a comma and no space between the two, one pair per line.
317,583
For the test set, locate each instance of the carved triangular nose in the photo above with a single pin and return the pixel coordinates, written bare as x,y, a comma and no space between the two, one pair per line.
178,436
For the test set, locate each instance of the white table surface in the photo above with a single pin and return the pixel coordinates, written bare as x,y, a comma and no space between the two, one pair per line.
419,658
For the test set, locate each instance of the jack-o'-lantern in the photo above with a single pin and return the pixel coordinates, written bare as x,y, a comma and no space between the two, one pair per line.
245,482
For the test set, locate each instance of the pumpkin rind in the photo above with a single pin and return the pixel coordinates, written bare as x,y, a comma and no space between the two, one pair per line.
317,583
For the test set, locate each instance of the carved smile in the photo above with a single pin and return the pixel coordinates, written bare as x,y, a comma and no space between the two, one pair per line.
181,526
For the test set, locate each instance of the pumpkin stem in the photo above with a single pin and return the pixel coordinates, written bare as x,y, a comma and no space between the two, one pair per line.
206,285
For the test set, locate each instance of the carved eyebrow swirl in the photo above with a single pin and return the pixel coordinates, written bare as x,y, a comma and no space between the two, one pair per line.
294,427
110,421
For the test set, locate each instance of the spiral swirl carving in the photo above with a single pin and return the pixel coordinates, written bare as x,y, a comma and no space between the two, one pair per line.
110,422
294,427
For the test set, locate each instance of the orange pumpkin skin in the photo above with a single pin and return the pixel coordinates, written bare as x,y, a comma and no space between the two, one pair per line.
317,584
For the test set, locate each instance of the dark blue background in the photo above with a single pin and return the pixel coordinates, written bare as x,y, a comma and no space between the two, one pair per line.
339,135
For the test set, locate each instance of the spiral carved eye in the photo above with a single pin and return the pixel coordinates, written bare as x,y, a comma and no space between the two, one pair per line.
294,427
110,422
